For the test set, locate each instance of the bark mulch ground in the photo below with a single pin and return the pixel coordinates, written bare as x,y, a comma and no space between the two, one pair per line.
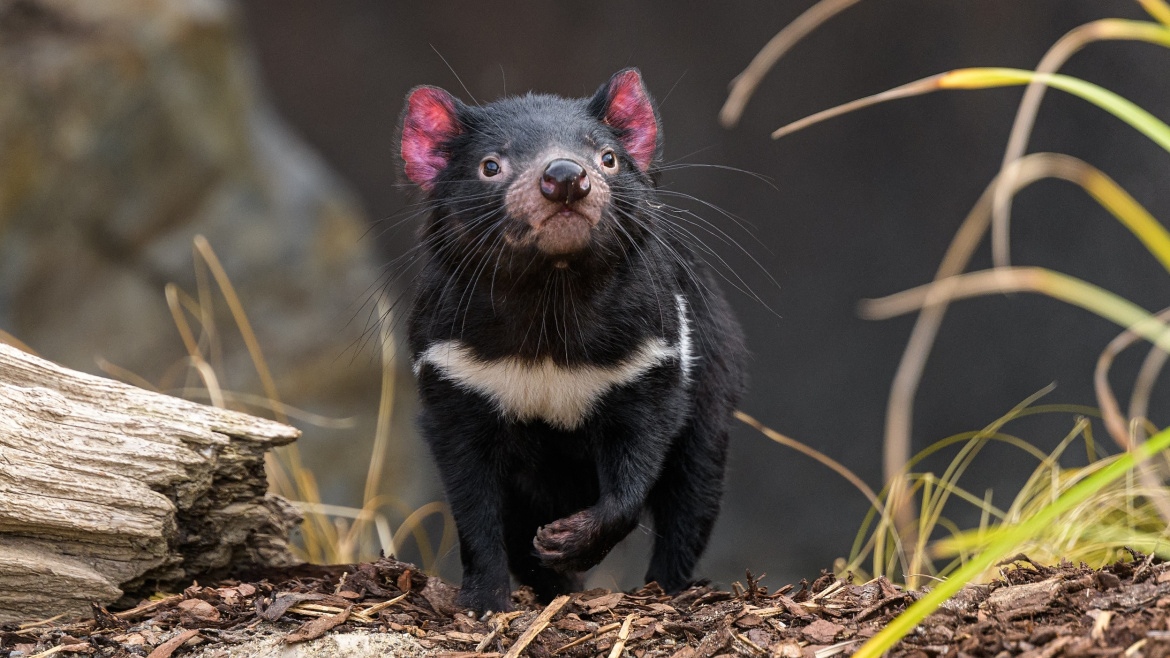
1033,611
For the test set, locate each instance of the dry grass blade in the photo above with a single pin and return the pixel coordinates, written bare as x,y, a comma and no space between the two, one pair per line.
413,524
381,432
9,339
43,622
194,353
167,648
244,399
916,88
815,454
745,84
1139,401
624,634
1024,279
122,374
379,607
1020,174
537,625
1117,424
203,248
1057,55
59,649
310,610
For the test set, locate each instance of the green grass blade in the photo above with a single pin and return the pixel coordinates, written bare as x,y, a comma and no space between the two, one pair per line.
988,78
1158,9
904,623
1118,106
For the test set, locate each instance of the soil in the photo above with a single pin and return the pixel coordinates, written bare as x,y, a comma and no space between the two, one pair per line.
390,608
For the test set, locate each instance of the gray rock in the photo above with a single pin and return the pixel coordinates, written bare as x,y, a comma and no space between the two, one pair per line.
127,128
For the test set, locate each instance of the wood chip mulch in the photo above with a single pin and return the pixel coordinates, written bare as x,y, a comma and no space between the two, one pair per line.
1033,611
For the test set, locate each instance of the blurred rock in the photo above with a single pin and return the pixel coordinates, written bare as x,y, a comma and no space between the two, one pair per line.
128,127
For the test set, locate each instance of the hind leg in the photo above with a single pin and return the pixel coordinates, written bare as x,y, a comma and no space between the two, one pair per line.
519,528
685,503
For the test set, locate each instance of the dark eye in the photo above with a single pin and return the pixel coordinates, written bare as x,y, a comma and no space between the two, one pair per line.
608,160
490,167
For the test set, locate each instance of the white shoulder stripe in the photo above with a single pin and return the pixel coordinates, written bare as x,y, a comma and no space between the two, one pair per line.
525,390
562,396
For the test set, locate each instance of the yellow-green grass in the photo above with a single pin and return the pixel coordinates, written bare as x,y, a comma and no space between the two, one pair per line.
1086,513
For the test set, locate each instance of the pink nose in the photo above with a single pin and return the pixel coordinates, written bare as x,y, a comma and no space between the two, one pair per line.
564,181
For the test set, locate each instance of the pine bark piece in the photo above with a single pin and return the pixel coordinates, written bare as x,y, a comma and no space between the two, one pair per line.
106,488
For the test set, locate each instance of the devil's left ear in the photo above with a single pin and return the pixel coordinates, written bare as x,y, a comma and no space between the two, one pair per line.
624,104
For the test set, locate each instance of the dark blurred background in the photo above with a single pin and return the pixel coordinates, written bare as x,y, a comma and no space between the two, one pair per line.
863,206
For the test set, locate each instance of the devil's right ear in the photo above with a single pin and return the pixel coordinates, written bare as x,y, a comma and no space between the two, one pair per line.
429,122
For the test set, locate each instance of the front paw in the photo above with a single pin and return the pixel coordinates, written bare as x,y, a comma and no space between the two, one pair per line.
573,543
485,600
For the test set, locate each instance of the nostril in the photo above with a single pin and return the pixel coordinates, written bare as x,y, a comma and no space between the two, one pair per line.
564,181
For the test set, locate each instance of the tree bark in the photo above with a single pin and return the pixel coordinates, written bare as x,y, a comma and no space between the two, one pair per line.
107,489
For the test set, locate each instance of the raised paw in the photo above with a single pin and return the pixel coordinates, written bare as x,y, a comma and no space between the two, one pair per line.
574,543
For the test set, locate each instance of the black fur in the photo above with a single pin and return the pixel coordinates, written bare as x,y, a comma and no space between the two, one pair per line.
657,443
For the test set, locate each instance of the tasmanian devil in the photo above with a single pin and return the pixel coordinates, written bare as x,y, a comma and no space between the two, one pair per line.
576,360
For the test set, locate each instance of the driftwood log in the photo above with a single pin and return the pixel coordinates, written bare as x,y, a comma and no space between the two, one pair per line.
107,489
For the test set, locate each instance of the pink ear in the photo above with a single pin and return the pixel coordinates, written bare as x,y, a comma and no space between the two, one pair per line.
629,109
429,122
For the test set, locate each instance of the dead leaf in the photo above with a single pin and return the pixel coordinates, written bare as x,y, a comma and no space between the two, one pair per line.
317,627
711,644
131,639
822,632
193,611
749,621
441,596
600,603
571,622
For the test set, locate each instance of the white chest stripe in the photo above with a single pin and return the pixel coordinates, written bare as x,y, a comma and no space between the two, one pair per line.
561,396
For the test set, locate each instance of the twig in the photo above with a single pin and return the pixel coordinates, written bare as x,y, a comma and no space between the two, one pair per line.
57,649
751,645
498,623
623,635
595,634
834,649
537,626
828,590
765,612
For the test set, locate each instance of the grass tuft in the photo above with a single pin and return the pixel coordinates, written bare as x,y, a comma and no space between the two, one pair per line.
1087,513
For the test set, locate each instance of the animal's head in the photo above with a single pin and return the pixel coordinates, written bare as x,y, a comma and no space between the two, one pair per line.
549,179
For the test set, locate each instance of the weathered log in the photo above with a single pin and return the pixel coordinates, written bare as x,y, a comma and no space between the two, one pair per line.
108,489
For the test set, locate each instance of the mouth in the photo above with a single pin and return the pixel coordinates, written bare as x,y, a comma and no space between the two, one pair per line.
563,232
